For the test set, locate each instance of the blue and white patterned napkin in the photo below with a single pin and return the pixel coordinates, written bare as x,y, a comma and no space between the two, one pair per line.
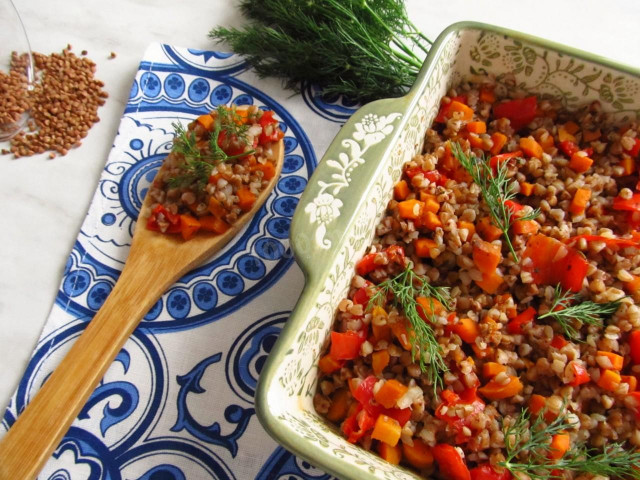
178,402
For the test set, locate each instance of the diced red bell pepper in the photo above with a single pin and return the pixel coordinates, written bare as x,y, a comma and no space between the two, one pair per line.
610,242
451,399
634,345
358,424
503,157
394,253
437,177
633,218
413,171
230,144
267,137
580,374
540,250
569,271
434,176
402,415
364,393
515,207
568,147
514,326
162,220
558,341
173,218
267,118
270,132
367,264
152,224
520,111
450,463
629,204
361,297
346,346
350,425
573,270
470,396
486,472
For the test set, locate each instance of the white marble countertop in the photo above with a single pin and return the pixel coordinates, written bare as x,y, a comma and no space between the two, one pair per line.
44,201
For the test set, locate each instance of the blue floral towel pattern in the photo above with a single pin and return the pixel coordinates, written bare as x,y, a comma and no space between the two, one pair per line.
178,402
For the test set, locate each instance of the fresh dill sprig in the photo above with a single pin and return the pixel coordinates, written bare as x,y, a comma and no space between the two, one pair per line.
405,288
614,461
496,189
586,312
362,49
184,141
197,165
193,172
528,445
231,122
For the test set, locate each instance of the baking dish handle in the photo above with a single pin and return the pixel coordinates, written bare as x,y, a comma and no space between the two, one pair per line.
342,181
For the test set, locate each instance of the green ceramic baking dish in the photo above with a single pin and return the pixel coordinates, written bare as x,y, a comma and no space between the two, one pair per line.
349,191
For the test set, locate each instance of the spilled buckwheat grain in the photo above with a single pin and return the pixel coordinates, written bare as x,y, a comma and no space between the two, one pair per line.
63,105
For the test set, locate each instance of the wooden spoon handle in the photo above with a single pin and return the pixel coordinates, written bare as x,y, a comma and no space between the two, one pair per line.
29,443
155,261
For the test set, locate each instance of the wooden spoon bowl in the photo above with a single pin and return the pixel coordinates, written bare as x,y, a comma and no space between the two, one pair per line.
154,263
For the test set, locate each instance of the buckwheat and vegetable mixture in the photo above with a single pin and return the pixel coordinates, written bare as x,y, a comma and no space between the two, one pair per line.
216,169
491,330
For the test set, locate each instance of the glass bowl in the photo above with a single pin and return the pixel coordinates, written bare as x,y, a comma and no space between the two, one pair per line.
16,72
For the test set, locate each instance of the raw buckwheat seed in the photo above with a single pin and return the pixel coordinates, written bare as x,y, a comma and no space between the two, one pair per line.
63,104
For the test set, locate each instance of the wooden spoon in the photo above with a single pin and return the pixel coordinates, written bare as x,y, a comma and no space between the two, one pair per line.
154,263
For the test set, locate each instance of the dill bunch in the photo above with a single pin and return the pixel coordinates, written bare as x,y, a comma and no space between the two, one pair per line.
362,49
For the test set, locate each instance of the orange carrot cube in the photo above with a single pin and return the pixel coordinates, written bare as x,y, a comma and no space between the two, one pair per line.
401,190
387,430
579,162
526,188
579,201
